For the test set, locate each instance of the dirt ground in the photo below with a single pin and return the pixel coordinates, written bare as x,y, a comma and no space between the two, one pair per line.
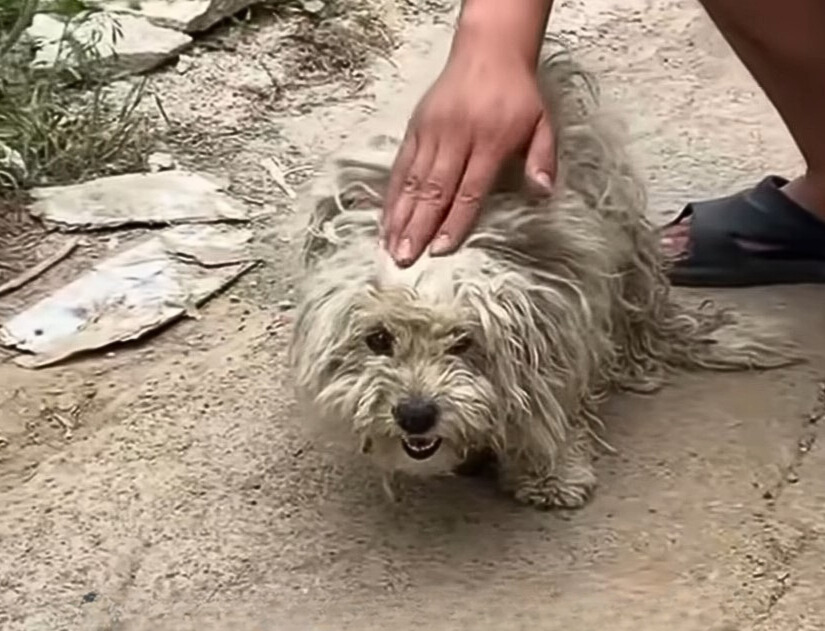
168,485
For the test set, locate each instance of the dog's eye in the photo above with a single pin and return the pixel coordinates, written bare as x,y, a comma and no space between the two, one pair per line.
461,345
380,341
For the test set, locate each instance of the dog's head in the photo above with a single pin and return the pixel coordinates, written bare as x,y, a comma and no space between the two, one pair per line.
429,364
399,357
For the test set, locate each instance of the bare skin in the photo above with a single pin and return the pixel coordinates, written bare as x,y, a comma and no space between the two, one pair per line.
485,107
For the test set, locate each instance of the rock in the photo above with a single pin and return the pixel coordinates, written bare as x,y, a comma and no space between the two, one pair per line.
137,199
160,161
185,64
255,81
189,16
313,7
11,162
131,43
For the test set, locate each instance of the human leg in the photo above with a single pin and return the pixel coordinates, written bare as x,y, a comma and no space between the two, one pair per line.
775,232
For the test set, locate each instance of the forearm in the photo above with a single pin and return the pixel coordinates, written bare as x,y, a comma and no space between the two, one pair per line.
511,26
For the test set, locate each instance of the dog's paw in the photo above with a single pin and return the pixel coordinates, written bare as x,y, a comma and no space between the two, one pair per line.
569,484
549,492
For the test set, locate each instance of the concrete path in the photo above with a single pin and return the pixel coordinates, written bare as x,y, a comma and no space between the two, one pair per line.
198,503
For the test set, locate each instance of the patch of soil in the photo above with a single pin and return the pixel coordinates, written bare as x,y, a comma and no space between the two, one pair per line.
336,47
21,238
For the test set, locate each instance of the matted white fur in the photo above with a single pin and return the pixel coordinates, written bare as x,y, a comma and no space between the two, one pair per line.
518,336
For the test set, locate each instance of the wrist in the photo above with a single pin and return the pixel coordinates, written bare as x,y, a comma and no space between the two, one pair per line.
513,31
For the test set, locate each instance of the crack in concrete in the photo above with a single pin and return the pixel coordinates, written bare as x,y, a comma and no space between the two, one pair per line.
806,440
781,554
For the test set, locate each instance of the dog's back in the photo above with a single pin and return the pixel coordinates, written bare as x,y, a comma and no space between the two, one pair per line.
589,242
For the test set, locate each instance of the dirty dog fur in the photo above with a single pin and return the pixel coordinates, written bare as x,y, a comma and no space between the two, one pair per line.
509,345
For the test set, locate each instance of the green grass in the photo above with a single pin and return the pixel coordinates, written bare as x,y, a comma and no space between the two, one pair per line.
64,121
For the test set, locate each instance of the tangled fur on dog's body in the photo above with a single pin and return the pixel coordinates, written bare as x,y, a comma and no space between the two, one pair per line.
519,335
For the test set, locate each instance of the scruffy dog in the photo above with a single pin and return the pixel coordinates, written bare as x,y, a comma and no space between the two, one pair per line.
510,344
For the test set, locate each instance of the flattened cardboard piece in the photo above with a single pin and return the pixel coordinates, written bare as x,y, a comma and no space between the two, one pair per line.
130,294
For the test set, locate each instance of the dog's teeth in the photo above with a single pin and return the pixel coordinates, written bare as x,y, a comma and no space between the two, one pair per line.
420,448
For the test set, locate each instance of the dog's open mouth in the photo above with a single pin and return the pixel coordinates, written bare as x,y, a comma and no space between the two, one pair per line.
419,447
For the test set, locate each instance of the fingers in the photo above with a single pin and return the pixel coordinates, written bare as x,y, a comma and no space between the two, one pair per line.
411,182
432,201
478,179
401,165
540,166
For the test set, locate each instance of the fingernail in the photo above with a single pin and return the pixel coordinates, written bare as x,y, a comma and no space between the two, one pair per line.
543,180
403,252
441,245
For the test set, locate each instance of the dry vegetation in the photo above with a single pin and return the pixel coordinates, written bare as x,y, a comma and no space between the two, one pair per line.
71,122
62,121
339,42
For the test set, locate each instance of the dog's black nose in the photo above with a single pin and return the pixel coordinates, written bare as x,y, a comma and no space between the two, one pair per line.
416,415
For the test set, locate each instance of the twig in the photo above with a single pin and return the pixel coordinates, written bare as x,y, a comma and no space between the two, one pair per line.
298,169
65,423
35,271
276,172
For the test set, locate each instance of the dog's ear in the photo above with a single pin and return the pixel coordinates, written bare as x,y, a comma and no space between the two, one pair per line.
321,332
538,361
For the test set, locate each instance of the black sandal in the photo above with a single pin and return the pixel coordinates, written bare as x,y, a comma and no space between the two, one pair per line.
790,240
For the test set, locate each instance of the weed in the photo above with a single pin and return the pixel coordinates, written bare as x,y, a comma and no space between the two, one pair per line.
63,121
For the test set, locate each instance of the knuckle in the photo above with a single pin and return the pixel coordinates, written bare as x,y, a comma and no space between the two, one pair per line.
412,183
433,191
469,197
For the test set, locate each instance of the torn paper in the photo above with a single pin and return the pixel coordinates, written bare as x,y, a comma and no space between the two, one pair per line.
130,294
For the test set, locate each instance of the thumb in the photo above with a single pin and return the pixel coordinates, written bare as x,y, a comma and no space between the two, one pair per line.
540,167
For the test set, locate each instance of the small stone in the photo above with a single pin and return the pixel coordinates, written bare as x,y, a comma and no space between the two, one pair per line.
792,477
90,597
767,495
313,7
184,64
806,443
160,161
286,305
255,81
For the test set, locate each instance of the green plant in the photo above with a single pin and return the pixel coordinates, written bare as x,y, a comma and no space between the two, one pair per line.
64,121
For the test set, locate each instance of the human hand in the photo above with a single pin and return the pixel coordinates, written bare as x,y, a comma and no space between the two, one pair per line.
484,108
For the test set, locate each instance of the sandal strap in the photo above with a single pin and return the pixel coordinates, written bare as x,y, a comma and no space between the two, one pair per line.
763,215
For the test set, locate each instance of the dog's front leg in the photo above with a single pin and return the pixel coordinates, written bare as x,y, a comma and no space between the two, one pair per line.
567,483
